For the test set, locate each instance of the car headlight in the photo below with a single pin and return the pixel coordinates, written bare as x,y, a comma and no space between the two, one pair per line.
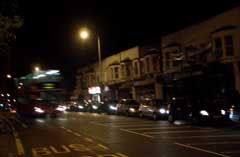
162,110
61,108
80,106
94,107
113,107
132,109
39,110
223,112
204,113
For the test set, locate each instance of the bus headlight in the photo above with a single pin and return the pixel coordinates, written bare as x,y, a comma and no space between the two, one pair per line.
94,107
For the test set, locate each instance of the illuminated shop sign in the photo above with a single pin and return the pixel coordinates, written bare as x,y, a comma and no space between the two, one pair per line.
94,90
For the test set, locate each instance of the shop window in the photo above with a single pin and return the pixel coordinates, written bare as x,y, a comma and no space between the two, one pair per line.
218,47
229,45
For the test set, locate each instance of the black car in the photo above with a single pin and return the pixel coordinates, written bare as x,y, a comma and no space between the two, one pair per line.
155,108
96,107
128,107
197,110
110,107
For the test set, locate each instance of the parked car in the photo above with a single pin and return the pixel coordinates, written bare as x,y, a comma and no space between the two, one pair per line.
234,114
197,110
96,107
110,107
128,107
80,106
155,108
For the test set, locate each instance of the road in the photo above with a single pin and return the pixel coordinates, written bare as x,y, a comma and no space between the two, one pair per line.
99,135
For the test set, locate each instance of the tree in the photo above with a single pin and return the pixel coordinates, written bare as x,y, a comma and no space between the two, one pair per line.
10,22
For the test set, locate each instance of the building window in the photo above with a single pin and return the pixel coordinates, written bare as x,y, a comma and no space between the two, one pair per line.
155,63
123,70
128,69
142,68
218,47
229,45
147,64
136,68
116,72
167,59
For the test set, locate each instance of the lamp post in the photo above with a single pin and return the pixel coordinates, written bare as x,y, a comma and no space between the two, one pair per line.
84,34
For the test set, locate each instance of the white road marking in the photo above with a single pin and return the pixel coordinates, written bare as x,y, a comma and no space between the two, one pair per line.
102,146
182,131
200,149
158,128
135,125
121,155
201,136
88,139
215,143
68,130
100,124
231,152
133,132
77,134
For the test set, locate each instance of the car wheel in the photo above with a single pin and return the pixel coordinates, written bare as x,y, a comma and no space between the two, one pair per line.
126,113
195,120
155,117
141,115
170,118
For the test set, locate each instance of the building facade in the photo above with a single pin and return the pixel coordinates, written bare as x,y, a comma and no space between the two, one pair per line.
210,47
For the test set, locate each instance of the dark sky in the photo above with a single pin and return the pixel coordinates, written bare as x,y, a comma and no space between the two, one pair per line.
49,35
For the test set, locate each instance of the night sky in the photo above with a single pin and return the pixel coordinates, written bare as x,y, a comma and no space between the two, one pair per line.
49,36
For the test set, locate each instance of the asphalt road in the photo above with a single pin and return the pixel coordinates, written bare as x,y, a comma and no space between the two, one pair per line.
99,135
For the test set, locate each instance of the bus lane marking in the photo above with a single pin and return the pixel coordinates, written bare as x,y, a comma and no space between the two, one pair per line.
71,148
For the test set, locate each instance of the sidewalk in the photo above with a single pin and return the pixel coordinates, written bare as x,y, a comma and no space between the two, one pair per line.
7,141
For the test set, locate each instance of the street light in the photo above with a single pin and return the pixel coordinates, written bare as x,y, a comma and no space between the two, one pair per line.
84,34
37,69
8,76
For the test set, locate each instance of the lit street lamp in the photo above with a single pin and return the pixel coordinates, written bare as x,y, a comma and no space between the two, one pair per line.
8,76
84,34
37,69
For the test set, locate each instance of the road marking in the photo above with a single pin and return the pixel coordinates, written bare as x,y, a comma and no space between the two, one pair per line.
121,155
102,146
68,130
23,124
63,128
135,125
100,124
77,134
19,146
201,136
88,139
215,143
182,131
200,149
232,152
158,128
133,132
